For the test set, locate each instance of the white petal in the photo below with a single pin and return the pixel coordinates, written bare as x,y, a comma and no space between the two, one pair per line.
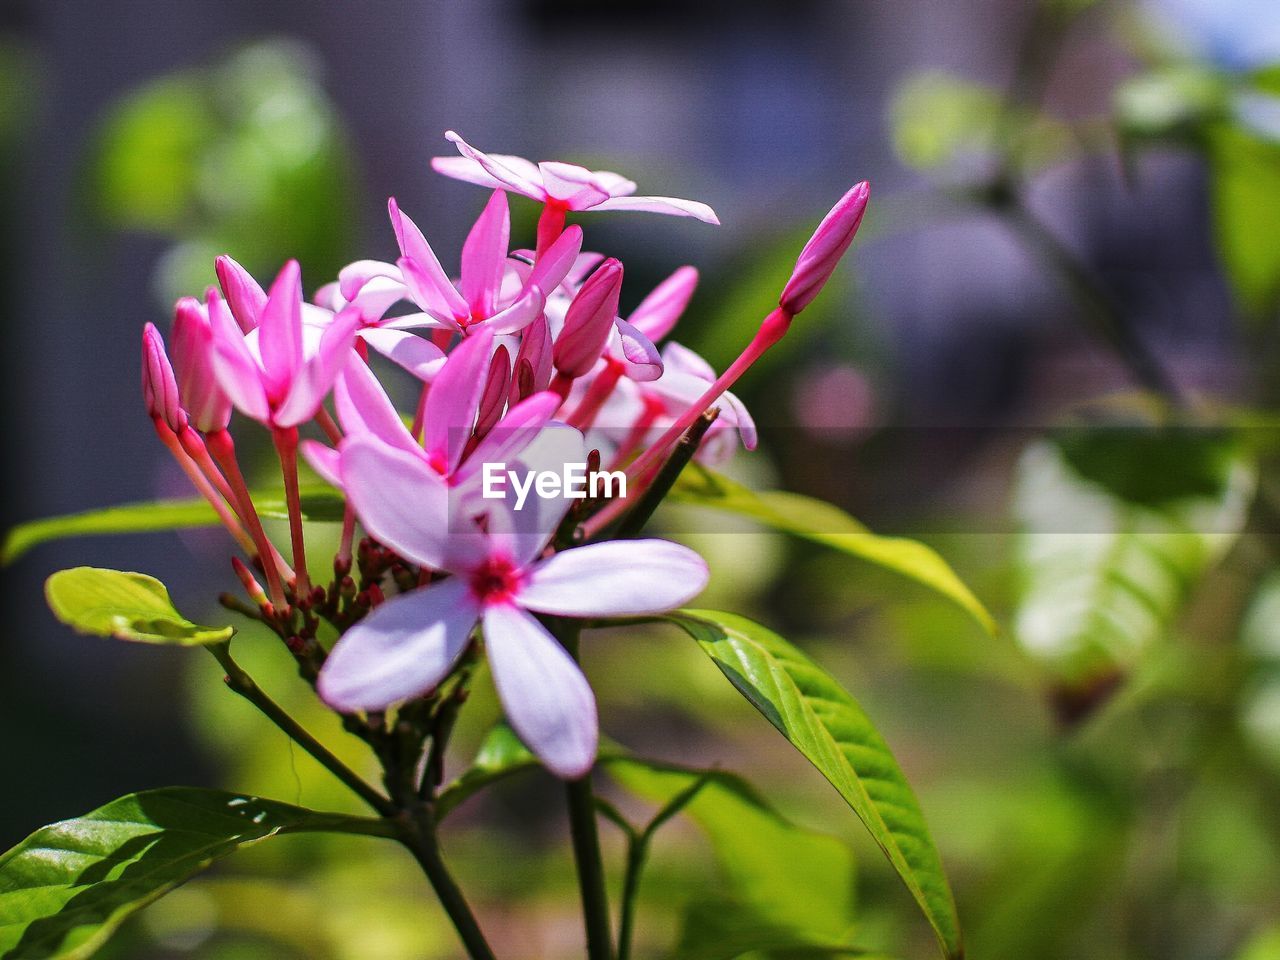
671,205
543,692
621,578
402,649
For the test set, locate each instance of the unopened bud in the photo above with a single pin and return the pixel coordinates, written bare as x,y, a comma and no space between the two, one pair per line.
202,398
159,389
245,297
589,320
822,253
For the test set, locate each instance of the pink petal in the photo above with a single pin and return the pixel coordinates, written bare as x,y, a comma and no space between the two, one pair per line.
377,296
280,330
546,698
514,173
462,168
325,461
314,381
402,649
455,395
484,255
517,316
400,500
364,407
680,359
354,276
670,205
419,356
431,287
554,265
658,312
234,367
571,184
619,578
637,352
243,293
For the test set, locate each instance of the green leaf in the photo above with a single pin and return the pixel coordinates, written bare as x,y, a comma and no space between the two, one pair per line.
825,723
67,887
721,928
1108,553
319,505
796,882
830,526
1245,187
127,606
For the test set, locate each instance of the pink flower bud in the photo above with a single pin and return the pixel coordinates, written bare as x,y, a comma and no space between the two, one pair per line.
589,320
244,295
820,255
202,398
159,389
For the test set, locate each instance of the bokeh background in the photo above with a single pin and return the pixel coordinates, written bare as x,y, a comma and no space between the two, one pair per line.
1076,208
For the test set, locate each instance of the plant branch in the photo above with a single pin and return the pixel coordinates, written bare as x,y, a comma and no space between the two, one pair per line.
419,838
586,837
241,683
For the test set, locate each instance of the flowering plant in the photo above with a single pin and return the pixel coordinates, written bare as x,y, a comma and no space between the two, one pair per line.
488,525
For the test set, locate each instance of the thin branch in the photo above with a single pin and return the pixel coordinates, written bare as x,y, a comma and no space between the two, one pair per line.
241,683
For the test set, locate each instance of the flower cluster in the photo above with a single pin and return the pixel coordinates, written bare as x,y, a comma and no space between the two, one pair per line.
523,361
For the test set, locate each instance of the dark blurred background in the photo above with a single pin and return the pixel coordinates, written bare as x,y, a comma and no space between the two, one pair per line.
1072,201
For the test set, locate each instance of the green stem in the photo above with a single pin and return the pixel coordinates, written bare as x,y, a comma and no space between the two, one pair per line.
241,683
420,840
637,854
586,838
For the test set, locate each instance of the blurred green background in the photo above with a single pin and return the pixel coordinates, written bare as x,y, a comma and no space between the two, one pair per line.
1069,278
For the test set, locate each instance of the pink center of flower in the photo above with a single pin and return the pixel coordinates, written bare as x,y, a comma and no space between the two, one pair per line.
495,581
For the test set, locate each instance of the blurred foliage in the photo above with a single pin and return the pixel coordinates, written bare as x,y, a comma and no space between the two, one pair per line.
245,157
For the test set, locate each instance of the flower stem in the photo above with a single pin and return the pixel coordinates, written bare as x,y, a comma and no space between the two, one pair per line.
224,452
286,441
420,840
586,839
241,683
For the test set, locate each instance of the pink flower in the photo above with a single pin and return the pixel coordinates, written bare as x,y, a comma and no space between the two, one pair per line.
818,259
280,372
565,185
490,291
205,402
406,646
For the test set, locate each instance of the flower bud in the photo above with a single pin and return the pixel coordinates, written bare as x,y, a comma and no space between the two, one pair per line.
589,320
658,312
204,401
159,389
820,255
245,297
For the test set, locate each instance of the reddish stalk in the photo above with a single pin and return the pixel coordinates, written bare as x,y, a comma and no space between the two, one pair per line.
770,332
550,225
198,452
328,426
420,414
601,387
286,441
206,489
224,452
